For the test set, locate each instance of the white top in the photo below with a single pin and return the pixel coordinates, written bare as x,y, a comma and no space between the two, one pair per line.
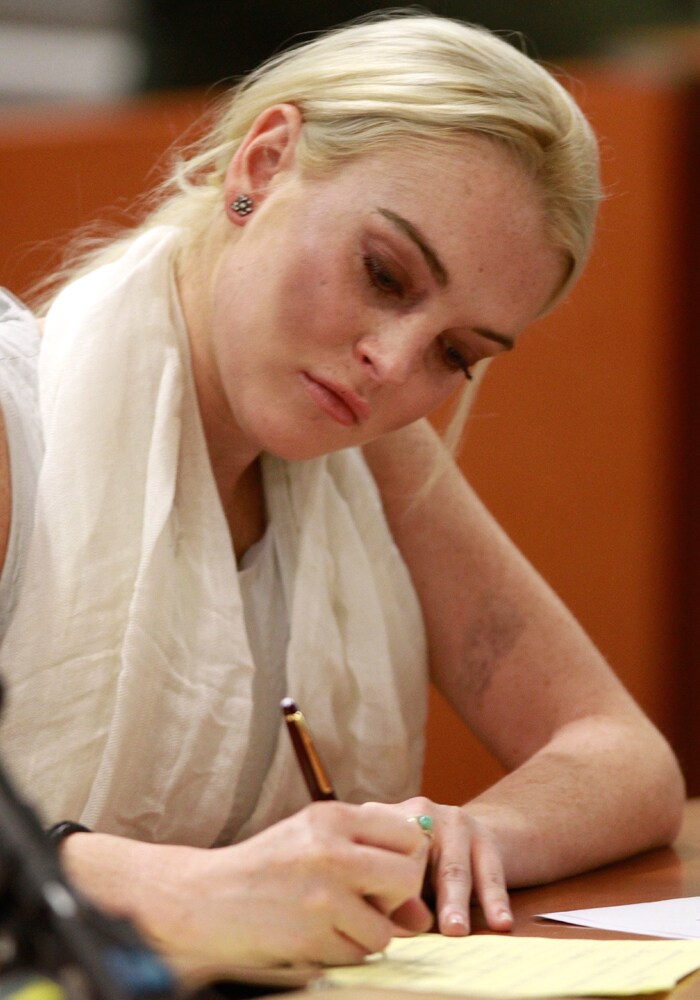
267,624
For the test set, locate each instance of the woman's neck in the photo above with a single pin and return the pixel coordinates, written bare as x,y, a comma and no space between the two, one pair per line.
234,459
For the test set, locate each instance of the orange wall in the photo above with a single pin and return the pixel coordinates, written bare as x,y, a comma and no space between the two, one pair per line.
61,168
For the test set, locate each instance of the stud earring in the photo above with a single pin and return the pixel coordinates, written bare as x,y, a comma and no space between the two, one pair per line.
242,205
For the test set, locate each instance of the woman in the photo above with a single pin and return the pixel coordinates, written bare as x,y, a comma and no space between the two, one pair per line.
239,498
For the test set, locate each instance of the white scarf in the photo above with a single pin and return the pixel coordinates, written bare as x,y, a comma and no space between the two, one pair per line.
127,664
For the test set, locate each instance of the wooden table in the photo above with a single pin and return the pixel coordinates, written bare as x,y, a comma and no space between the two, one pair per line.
662,874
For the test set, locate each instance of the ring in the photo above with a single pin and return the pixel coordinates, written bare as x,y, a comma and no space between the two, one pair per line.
425,824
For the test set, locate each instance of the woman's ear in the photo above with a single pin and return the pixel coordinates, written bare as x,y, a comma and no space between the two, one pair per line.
267,150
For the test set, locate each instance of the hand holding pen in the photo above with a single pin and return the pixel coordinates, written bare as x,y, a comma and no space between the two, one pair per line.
314,773
448,887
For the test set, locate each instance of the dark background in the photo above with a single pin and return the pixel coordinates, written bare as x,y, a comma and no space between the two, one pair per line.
211,41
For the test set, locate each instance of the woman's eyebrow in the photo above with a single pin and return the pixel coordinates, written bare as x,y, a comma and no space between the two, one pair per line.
438,269
498,338
436,266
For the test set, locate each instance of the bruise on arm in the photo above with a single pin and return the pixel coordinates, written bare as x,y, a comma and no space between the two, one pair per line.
489,638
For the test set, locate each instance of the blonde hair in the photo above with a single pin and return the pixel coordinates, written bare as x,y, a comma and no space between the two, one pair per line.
385,79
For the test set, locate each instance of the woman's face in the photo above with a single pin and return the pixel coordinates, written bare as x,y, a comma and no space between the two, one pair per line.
349,306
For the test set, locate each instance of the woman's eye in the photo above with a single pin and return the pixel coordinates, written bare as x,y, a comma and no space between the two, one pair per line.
455,360
381,278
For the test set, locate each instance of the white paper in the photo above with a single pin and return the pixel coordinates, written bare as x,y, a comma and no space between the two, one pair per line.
667,918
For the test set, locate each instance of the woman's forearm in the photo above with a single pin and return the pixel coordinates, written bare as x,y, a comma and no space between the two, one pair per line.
600,790
144,882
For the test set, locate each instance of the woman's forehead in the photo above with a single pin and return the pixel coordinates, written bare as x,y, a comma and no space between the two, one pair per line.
437,183
458,160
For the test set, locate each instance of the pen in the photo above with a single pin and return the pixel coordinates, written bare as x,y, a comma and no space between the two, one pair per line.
317,781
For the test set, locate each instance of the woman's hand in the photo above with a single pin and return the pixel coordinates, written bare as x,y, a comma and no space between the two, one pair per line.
331,885
464,861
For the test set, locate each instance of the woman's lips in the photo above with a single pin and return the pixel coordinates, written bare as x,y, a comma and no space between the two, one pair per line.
339,403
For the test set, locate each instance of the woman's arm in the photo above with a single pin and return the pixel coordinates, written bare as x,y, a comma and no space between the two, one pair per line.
591,780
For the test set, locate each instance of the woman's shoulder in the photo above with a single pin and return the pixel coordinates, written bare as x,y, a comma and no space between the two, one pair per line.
19,328
20,341
19,410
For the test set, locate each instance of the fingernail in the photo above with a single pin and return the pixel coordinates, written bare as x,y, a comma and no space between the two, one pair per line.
456,924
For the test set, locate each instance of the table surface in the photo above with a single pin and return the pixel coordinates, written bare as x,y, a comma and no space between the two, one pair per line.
662,874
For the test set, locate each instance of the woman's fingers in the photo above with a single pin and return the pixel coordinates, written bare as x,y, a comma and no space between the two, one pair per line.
412,917
490,883
464,862
387,827
452,874
366,866
365,928
374,849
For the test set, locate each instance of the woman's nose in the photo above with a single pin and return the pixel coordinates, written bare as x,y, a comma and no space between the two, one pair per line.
391,355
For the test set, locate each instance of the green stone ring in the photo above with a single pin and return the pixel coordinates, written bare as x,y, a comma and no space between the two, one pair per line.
426,825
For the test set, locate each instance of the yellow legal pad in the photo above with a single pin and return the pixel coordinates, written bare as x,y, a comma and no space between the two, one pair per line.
502,966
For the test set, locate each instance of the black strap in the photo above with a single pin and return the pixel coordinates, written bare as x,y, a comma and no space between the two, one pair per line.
59,831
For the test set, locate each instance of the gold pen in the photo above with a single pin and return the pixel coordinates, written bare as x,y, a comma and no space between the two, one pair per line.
317,781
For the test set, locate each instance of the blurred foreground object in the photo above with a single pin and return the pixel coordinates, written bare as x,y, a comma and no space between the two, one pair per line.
53,943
